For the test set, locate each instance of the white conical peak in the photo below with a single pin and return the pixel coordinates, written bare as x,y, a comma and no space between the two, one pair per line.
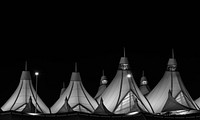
25,75
123,60
75,75
172,61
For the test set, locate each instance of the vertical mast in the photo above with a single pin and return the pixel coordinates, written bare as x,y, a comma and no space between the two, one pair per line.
26,66
75,66
172,53
26,83
124,52
172,74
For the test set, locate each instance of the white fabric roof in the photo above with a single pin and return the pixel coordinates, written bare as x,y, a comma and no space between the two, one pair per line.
22,94
119,96
101,89
159,95
198,102
144,88
78,98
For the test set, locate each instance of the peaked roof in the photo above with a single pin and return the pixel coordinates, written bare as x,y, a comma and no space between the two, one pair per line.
120,94
102,87
198,102
18,101
171,81
144,88
78,98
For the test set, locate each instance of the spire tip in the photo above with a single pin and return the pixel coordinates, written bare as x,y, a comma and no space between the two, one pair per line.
75,66
124,52
172,53
26,65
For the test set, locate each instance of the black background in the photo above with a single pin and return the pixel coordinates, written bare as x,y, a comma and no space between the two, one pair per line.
53,37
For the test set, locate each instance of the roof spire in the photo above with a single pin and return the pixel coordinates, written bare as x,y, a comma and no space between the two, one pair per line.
143,73
124,52
103,72
25,65
172,53
75,66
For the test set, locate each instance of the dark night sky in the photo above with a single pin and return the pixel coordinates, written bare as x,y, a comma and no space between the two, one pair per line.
52,41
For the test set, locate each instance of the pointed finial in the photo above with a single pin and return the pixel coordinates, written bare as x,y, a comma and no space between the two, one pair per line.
124,52
172,53
75,66
26,66
143,73
103,72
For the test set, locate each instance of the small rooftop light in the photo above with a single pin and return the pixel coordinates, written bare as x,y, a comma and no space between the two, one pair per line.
36,73
144,82
33,114
133,113
129,75
104,82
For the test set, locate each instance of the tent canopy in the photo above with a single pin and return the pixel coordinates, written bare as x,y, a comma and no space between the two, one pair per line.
77,97
22,95
102,87
198,102
171,81
119,96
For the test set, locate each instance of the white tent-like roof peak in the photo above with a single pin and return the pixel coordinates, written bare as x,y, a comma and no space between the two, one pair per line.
75,75
124,59
25,93
172,61
25,75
